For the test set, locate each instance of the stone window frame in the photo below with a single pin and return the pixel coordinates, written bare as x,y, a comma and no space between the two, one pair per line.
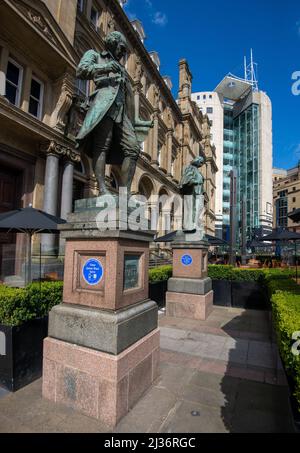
98,12
81,5
20,81
41,100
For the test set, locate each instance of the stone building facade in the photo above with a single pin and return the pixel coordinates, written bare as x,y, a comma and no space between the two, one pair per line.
41,43
286,197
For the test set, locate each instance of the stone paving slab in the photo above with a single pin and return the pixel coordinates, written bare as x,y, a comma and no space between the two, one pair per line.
212,379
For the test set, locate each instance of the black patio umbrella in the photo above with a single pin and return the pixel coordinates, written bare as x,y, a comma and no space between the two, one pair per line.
283,236
212,240
29,221
255,243
295,216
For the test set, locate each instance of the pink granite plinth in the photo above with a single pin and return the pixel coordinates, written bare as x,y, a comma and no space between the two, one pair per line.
109,293
96,384
192,306
198,268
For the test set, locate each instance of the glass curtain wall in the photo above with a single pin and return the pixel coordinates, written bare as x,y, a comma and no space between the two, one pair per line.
246,161
228,161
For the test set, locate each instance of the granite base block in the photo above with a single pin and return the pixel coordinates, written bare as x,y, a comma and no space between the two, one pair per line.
190,285
192,306
109,332
99,385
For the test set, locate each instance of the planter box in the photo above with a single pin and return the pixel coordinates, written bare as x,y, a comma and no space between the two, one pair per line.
157,292
251,295
222,292
21,353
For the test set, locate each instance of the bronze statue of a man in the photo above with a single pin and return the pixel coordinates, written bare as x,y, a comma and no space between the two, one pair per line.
108,134
192,187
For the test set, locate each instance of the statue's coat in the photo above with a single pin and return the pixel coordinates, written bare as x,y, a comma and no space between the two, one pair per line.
103,98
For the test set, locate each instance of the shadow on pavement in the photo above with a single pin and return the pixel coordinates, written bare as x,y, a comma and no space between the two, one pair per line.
254,399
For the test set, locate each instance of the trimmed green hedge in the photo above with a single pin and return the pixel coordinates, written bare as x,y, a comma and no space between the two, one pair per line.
225,272
20,305
159,274
285,299
220,272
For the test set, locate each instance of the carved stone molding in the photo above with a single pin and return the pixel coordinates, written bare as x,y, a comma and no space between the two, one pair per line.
139,71
66,87
37,20
61,151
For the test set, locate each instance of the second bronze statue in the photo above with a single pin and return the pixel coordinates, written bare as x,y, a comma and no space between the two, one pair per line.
109,132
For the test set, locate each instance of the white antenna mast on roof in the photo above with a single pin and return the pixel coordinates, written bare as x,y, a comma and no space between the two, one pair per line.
251,72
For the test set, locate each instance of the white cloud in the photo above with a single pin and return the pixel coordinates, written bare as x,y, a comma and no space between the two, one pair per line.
160,18
149,3
298,27
131,16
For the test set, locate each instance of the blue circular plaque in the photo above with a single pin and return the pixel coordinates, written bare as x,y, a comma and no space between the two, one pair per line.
92,272
187,260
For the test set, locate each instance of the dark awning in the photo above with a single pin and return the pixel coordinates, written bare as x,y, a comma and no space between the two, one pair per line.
295,216
212,240
29,220
284,235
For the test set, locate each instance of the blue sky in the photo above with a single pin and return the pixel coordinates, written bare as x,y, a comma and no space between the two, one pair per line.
215,35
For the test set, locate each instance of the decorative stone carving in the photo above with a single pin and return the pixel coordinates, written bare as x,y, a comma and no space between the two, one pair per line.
59,116
37,20
156,98
75,117
170,119
138,70
62,151
111,25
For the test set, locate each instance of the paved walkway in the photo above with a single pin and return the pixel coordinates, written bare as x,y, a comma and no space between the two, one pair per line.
221,375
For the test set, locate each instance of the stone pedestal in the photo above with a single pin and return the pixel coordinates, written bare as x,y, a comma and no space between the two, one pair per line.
190,292
102,352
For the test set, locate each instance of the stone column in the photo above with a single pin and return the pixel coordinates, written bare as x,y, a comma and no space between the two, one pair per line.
154,150
137,89
50,198
3,64
67,190
169,152
66,197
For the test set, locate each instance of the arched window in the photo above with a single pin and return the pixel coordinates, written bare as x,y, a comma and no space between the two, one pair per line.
146,187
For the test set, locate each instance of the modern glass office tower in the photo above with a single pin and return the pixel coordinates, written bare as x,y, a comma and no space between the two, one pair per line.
241,117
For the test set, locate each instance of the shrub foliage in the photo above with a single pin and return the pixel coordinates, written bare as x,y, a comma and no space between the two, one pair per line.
20,305
159,274
285,299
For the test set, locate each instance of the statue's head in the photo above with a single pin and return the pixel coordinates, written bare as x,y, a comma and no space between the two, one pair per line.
116,43
198,162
